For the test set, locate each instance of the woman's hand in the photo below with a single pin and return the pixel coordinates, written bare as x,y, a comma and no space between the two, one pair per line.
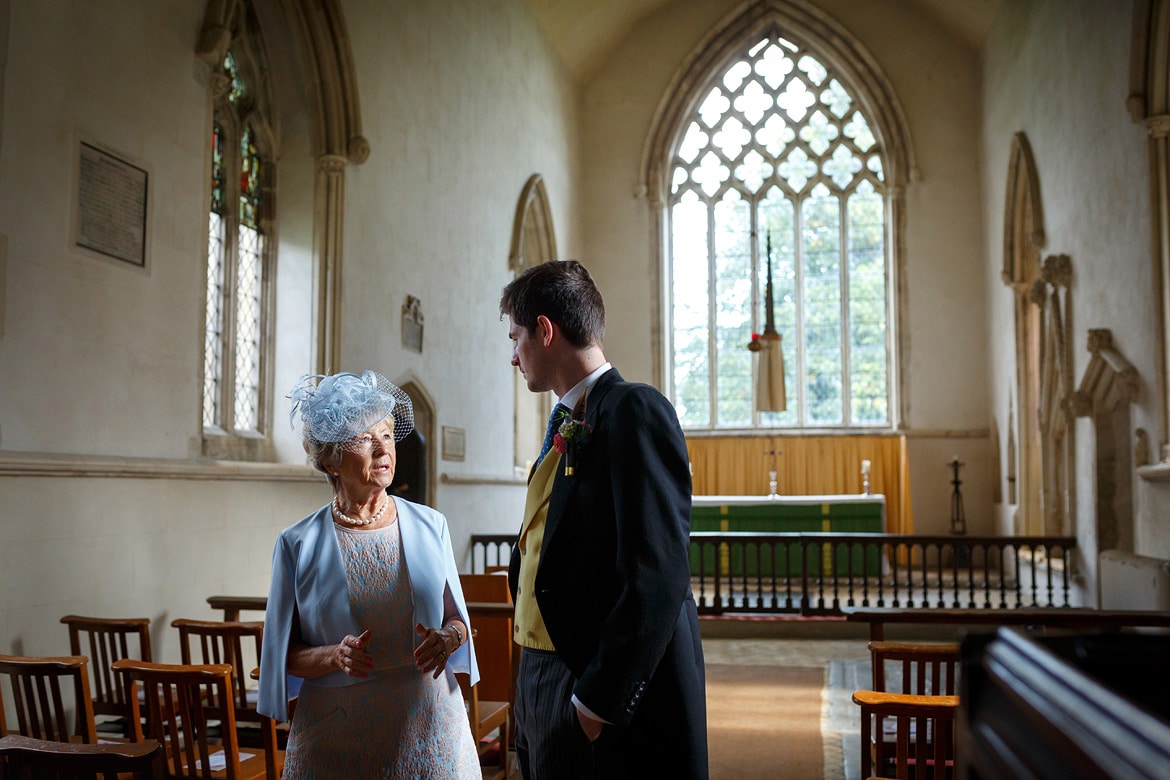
434,649
350,655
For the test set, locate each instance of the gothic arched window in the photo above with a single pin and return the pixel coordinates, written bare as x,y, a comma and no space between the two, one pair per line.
778,153
240,251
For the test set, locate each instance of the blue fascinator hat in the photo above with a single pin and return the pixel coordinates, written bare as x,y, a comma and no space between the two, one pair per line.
342,406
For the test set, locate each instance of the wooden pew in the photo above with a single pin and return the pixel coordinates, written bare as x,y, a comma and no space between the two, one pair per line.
1064,618
1068,706
34,759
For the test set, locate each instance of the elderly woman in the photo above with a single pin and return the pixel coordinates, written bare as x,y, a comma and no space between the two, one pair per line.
365,606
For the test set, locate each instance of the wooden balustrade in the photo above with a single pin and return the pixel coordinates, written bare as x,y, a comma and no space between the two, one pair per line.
490,551
824,573
820,573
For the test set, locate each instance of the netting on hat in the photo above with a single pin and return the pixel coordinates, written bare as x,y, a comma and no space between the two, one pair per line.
342,406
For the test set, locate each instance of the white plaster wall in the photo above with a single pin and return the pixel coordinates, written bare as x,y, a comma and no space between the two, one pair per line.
96,356
1058,70
152,548
462,102
937,83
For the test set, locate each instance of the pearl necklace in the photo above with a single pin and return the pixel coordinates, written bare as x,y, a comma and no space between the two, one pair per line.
355,521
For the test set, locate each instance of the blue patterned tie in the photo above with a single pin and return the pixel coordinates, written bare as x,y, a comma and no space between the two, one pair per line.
559,411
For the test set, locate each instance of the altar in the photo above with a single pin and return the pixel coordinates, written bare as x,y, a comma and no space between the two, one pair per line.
759,514
856,513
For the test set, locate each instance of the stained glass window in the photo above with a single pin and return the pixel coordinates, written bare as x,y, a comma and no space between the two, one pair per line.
779,151
237,259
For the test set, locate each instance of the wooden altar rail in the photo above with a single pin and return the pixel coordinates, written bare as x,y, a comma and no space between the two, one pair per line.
819,574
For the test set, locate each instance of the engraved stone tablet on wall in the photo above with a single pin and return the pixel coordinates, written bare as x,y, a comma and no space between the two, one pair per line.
111,206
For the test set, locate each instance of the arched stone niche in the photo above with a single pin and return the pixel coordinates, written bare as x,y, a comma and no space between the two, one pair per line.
533,242
1108,388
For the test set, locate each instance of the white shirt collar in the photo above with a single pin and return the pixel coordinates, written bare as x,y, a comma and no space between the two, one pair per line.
571,398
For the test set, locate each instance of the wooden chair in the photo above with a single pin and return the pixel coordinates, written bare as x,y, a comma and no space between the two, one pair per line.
25,758
495,649
908,668
39,687
926,669
233,605
181,701
487,717
237,644
924,738
104,641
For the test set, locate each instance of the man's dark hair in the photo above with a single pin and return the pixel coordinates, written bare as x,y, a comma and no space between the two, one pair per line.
564,292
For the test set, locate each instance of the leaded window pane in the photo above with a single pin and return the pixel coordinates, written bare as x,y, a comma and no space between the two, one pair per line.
691,312
236,87
867,307
820,236
213,329
249,179
733,310
248,294
218,183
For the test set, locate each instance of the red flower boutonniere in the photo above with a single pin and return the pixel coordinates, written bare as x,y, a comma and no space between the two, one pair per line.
571,435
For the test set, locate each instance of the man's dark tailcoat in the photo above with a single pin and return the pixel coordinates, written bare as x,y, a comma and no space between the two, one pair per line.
613,581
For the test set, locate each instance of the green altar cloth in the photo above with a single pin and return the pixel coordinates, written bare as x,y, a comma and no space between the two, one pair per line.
792,514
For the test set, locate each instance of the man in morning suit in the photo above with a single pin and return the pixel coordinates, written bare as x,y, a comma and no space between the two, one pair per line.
611,680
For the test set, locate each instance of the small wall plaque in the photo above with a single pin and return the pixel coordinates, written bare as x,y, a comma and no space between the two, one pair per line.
454,443
412,324
111,216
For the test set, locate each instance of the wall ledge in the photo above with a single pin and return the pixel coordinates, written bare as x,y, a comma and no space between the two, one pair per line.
481,479
1156,472
52,465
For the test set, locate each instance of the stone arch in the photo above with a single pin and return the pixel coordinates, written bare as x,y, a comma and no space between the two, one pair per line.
1023,239
534,239
413,477
533,242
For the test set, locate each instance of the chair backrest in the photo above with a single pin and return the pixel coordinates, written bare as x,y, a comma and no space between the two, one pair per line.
175,696
234,643
924,737
42,690
921,669
233,605
104,641
494,644
25,758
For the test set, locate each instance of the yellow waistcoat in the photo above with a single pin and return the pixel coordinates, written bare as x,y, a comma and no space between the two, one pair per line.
529,626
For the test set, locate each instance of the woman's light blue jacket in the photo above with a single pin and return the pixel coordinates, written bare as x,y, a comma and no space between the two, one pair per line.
309,575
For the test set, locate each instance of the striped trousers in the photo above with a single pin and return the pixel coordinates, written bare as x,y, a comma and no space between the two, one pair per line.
550,744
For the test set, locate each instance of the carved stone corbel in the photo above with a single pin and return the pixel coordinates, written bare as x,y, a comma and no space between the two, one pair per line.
1057,270
1109,380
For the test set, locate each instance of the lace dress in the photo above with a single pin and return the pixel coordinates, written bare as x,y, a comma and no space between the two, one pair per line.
399,722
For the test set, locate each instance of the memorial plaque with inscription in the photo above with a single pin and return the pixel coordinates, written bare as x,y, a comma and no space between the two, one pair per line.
111,206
